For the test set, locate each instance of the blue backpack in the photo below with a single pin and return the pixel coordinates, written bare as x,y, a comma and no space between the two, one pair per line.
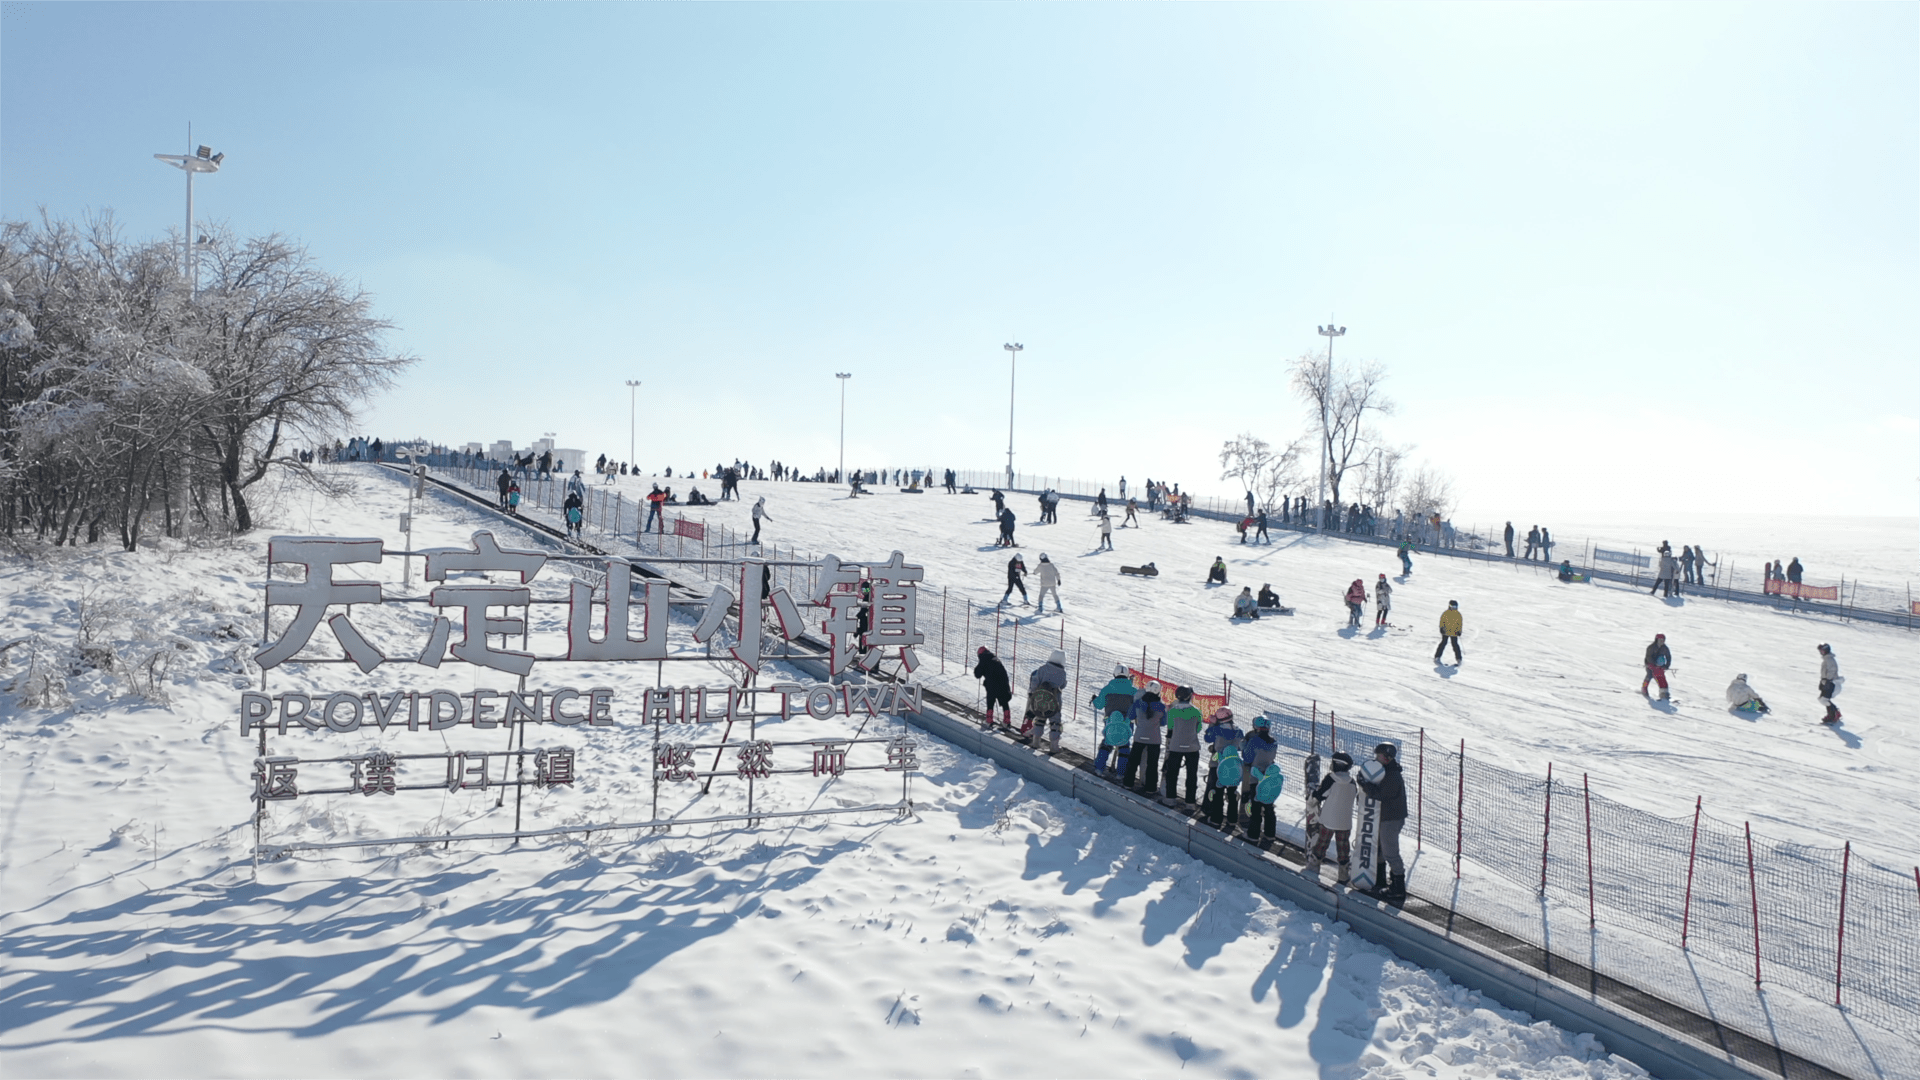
1267,783
1227,769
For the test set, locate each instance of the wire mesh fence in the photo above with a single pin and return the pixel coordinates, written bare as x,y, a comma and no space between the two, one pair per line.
1638,897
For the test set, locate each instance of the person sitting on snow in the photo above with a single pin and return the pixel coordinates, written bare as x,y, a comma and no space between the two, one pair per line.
1218,574
1268,598
1741,698
1566,570
1243,605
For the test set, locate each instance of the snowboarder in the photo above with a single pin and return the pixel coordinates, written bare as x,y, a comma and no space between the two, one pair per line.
1741,698
1335,796
1133,509
1149,728
1658,659
1390,791
1267,598
1406,556
1016,579
1450,627
1258,754
1224,768
993,677
1260,528
1382,600
1046,687
1106,532
1183,742
999,502
1244,606
759,515
1356,600
1829,683
1049,583
1217,575
1006,528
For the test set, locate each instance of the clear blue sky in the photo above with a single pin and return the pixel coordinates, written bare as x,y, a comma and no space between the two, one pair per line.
1617,256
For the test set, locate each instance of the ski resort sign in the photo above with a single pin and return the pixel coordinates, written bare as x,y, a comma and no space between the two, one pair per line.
864,613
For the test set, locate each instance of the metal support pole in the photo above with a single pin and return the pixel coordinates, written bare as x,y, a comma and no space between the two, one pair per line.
1459,811
1586,796
1546,829
1420,812
1693,847
1753,893
1840,943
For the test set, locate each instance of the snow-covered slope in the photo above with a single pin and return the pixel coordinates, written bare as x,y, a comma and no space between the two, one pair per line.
1000,931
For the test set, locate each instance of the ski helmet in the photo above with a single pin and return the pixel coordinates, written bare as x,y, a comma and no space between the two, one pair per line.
1119,671
1057,657
1342,761
1388,749
1184,693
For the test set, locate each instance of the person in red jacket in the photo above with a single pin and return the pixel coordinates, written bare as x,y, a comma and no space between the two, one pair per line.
1356,599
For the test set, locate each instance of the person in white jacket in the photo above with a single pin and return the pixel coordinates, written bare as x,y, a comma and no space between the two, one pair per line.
1049,583
1741,696
1829,683
1336,795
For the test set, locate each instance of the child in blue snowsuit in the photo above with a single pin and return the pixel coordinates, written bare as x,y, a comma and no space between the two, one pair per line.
1115,740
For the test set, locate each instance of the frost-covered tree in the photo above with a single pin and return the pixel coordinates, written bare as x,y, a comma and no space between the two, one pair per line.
1338,398
122,397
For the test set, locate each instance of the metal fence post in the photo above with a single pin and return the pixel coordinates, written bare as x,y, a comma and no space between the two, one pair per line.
1546,829
1586,796
1459,812
1693,847
1840,943
1420,813
1753,893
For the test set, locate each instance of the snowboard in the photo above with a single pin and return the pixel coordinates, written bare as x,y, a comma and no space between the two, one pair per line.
1313,804
1148,570
1366,838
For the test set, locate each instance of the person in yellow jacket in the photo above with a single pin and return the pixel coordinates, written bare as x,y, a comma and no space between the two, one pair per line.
1450,624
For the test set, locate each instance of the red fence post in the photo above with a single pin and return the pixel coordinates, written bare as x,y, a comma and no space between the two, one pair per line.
1420,812
1693,846
1459,810
1546,827
1753,891
1840,943
1586,796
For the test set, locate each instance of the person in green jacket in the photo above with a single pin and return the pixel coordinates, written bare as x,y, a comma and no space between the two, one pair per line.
1184,722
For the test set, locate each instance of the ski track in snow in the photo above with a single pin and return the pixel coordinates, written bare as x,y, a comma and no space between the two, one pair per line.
1001,931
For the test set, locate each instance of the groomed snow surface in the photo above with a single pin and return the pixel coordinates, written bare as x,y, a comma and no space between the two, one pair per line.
1001,930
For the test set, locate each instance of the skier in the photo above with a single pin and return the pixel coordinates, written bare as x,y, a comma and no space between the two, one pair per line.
1016,579
1224,768
655,500
577,486
1049,583
1244,606
1356,600
1450,626
1658,659
999,502
1106,532
1829,683
1382,600
1260,528
1133,510
1335,795
1218,573
1391,793
1741,698
993,677
1046,687
1183,742
574,513
1149,728
1258,754
513,497
1006,528
1406,556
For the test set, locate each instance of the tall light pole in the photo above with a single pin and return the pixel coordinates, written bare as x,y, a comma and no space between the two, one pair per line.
843,376
1329,332
202,160
633,398
1013,364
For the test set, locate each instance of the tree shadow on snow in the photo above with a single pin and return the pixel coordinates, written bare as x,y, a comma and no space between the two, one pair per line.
362,949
